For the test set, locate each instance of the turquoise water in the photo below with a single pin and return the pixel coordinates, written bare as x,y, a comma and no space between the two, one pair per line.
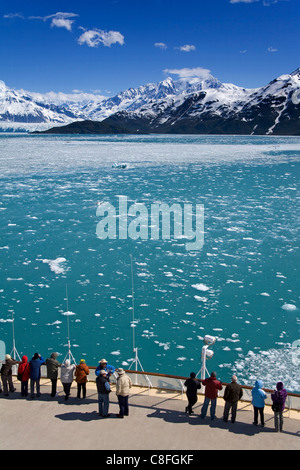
241,287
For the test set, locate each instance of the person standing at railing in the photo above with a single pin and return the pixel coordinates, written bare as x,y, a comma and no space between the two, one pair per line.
23,375
258,402
278,399
52,371
192,385
81,373
212,385
109,369
123,386
67,376
103,388
233,393
35,374
6,375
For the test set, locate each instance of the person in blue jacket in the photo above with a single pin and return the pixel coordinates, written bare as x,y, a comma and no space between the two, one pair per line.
258,402
104,366
35,374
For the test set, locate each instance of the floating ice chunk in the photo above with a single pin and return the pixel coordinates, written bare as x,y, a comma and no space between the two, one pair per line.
273,365
289,307
200,299
166,346
115,353
68,313
55,264
265,294
201,287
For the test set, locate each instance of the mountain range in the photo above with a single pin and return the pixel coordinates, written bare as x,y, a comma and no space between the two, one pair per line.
185,106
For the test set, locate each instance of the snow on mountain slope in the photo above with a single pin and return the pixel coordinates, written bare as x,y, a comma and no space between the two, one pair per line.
185,103
20,107
225,108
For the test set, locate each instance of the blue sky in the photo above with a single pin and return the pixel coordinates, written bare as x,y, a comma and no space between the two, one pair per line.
105,46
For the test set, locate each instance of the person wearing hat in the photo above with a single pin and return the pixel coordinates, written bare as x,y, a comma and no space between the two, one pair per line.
192,385
123,386
233,393
103,388
6,375
104,366
212,385
81,373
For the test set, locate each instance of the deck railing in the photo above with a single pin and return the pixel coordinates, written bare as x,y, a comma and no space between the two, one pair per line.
175,383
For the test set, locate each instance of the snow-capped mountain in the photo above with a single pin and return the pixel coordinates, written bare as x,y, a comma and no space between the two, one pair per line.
224,109
136,98
197,105
23,109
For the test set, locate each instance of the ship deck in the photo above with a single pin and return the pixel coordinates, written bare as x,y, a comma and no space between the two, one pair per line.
156,421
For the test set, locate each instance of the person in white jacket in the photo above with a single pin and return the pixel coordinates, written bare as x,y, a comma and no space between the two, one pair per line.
67,376
123,387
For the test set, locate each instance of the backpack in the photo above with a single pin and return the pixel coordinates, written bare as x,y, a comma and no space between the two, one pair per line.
276,407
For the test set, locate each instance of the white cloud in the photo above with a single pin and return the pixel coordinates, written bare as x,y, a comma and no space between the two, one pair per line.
14,15
189,72
161,45
266,3
62,23
77,96
59,19
271,49
95,37
186,48
243,1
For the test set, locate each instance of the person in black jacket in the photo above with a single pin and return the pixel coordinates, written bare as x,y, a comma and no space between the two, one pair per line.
103,388
233,393
52,371
192,385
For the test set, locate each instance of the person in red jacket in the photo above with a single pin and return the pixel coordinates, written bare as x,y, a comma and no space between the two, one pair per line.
212,385
24,373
